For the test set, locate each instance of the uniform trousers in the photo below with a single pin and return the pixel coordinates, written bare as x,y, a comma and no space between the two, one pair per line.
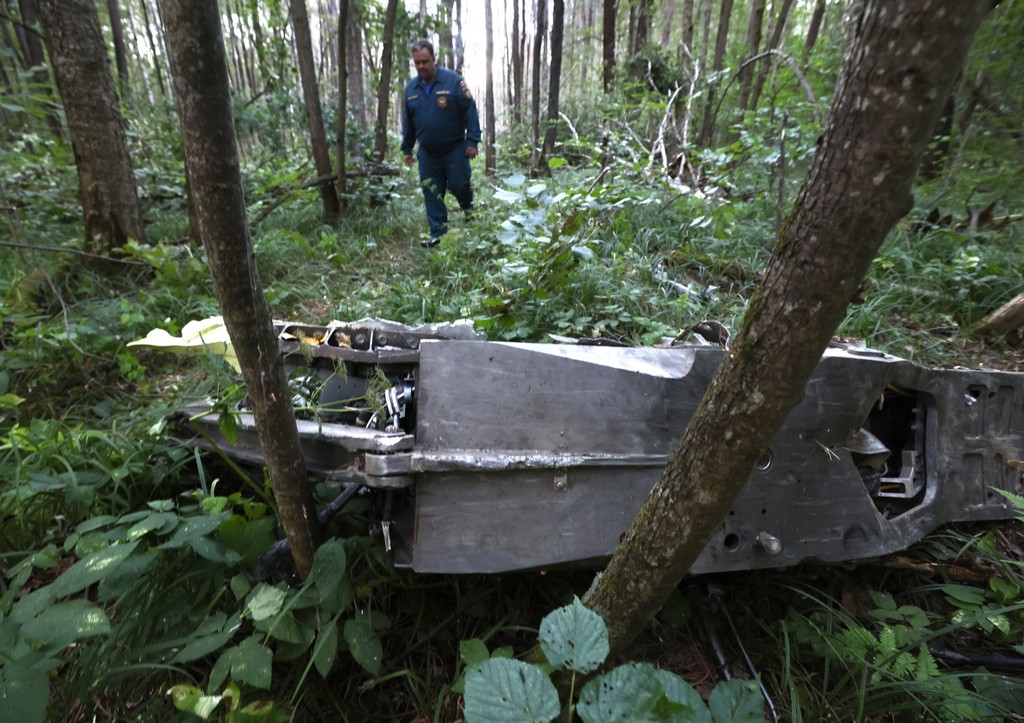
439,174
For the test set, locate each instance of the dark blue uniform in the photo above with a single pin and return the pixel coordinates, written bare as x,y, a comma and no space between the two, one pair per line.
441,116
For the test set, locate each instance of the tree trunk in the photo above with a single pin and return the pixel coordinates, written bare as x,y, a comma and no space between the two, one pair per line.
773,42
157,57
139,56
538,59
314,113
446,50
356,86
517,68
554,78
343,12
460,46
859,184
120,57
641,36
746,74
199,69
106,180
387,59
707,128
814,27
32,48
668,11
608,42
688,26
490,165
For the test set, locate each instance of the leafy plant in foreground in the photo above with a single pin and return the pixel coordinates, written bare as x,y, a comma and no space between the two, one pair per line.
574,640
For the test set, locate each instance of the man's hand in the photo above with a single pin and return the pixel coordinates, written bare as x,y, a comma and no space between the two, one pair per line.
471,152
408,160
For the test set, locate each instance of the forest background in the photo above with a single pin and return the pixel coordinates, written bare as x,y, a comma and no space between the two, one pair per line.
639,161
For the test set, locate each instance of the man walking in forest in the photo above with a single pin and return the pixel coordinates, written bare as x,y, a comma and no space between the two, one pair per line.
440,114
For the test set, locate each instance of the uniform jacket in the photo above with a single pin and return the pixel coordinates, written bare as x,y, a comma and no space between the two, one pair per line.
442,119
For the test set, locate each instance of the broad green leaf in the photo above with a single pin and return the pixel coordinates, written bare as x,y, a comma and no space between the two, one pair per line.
736,701
364,645
265,602
963,594
92,569
556,162
10,401
574,637
247,663
1005,590
63,623
507,196
288,628
24,692
214,550
515,180
681,693
500,690
87,571
192,700
211,635
326,650
630,692
328,568
162,522
473,651
127,575
536,190
228,423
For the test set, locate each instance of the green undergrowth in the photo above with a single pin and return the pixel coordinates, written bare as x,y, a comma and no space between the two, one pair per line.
129,582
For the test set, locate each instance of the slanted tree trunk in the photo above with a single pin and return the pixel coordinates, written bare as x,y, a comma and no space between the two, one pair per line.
814,27
746,73
773,42
314,113
555,78
608,42
106,180
905,56
157,61
387,59
199,69
490,165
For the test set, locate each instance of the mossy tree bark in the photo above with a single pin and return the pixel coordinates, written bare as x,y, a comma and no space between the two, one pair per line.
899,66
106,179
199,69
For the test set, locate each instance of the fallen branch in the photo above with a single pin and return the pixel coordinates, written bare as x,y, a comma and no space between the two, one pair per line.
1007,318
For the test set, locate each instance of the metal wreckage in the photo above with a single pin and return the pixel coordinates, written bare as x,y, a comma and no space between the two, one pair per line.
487,457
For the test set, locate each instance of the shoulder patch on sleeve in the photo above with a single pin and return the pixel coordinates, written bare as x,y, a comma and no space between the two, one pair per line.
465,88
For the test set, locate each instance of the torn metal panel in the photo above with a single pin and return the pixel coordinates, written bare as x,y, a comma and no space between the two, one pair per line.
499,456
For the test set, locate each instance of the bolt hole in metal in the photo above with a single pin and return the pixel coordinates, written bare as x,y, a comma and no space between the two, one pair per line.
731,542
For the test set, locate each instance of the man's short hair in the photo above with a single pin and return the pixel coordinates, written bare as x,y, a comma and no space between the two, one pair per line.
422,45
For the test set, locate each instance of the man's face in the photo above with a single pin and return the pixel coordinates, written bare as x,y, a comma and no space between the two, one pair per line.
426,66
